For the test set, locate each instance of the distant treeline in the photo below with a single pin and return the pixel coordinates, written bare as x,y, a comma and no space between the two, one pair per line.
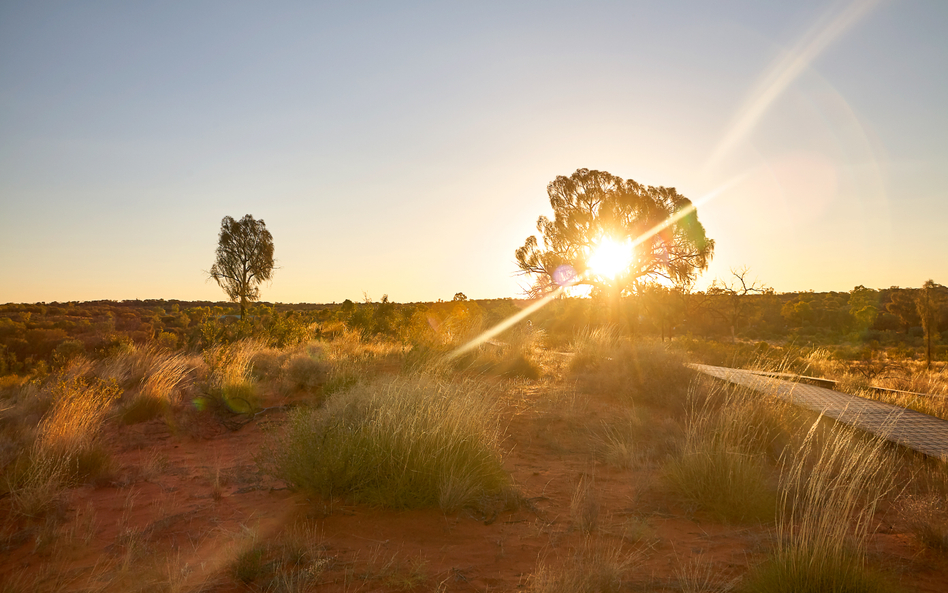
38,337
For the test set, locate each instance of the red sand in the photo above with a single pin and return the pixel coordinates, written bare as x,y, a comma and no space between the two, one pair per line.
182,506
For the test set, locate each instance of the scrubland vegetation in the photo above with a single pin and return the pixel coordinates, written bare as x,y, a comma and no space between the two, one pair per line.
338,448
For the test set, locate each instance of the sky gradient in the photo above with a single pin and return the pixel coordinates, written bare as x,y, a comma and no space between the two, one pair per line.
405,148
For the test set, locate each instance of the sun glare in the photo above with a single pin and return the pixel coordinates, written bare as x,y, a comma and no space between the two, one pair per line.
610,257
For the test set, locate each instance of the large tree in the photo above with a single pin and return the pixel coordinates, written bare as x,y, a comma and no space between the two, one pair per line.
244,259
650,233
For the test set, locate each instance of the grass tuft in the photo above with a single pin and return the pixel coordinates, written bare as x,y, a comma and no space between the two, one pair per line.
722,469
402,443
828,496
593,568
66,447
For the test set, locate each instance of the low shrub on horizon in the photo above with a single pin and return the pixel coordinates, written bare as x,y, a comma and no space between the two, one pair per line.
405,442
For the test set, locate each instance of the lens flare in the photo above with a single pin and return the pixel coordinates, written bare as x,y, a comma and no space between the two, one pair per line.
785,70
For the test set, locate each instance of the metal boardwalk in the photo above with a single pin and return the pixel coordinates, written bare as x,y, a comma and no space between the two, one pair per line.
921,432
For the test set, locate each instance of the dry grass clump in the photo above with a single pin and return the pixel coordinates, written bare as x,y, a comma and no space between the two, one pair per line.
584,507
65,448
645,372
230,385
591,346
927,519
165,374
614,443
829,492
404,442
267,363
351,359
495,359
593,568
631,437
722,468
128,366
306,370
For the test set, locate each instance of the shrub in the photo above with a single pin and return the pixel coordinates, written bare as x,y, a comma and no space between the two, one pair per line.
304,371
405,442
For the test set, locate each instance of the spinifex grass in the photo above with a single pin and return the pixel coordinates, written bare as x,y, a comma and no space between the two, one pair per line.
595,567
722,467
165,373
66,446
647,373
828,496
404,442
230,384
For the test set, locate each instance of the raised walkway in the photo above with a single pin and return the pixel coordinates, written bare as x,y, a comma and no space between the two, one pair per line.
921,432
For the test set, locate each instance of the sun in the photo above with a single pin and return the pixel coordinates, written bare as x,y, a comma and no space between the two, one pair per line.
610,257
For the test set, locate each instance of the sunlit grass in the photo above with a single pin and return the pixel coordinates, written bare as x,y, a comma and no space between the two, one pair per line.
402,443
722,468
830,489
66,446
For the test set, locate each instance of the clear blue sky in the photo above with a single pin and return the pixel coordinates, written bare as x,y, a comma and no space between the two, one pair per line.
405,147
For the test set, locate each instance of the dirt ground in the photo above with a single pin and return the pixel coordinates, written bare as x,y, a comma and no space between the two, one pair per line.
189,510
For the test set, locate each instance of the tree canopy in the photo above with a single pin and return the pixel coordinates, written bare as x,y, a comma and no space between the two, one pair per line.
614,234
244,259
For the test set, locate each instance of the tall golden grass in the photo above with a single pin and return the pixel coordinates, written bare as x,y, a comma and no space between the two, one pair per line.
830,489
66,446
722,467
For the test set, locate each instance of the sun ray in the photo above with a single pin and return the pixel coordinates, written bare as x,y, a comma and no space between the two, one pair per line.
785,70
536,306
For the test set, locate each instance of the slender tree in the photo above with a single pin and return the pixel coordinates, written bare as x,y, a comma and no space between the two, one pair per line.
730,300
244,259
929,300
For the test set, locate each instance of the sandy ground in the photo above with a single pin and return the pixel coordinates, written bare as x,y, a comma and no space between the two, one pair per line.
186,502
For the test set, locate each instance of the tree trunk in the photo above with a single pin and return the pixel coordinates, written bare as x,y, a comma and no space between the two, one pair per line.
928,352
